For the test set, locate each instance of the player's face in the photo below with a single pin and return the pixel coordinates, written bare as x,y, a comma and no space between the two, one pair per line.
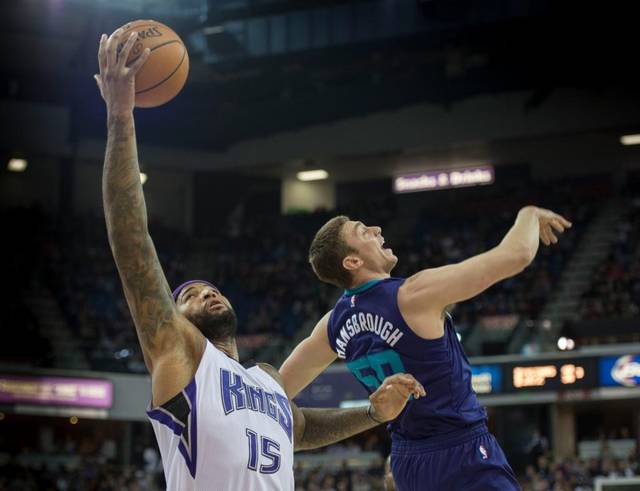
202,298
208,309
369,244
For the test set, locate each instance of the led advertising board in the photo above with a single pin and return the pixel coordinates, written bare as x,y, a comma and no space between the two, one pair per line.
572,373
486,379
56,391
621,371
444,179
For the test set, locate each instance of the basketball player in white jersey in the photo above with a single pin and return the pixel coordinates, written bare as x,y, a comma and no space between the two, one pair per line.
220,426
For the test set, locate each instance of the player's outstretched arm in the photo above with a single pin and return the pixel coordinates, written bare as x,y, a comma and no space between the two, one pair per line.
316,428
308,359
431,290
143,280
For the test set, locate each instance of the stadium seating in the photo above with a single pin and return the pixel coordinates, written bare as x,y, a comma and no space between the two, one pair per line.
344,468
260,264
615,285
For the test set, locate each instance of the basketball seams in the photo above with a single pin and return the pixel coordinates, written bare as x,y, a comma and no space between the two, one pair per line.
135,28
156,47
151,24
184,55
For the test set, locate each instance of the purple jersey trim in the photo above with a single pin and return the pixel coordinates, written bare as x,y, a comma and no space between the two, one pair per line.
188,445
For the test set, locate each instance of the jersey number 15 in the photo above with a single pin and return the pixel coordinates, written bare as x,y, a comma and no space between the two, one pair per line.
270,450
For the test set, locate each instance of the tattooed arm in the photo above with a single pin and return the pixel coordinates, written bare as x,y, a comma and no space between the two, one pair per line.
167,339
145,286
315,427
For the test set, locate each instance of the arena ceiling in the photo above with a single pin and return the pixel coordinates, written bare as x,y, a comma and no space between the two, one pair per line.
318,64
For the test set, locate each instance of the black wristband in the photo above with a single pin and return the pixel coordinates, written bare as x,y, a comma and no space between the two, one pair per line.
371,416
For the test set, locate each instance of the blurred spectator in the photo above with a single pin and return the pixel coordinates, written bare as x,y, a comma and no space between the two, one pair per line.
537,446
574,474
615,284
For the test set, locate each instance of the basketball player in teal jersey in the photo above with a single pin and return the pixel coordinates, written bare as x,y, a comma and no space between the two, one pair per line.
383,325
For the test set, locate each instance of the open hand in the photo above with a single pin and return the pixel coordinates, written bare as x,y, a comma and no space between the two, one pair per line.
550,224
391,397
116,80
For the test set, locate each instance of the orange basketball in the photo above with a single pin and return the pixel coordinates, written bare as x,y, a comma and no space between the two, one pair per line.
164,73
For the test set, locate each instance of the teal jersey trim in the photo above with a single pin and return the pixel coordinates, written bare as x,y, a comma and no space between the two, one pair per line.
362,288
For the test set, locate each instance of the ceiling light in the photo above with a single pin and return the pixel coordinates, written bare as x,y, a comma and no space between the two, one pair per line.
566,344
562,343
208,31
630,139
17,165
313,175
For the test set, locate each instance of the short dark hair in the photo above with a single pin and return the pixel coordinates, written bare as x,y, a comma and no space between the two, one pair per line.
327,251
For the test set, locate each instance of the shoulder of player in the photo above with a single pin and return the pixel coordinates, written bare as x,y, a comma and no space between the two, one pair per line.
322,325
272,371
416,288
419,304
176,355
178,339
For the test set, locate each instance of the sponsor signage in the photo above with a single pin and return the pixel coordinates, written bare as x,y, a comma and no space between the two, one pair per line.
570,373
56,391
444,179
486,379
619,371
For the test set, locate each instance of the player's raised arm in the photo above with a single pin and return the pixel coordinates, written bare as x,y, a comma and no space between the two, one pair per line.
308,359
433,289
143,280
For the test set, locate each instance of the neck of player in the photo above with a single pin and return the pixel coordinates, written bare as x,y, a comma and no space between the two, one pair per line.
365,276
229,347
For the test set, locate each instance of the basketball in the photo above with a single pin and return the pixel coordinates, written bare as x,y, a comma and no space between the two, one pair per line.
163,75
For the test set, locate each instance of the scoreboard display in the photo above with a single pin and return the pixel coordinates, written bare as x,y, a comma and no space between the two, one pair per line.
573,373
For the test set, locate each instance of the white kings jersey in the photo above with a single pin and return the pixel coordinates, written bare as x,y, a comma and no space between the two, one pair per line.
230,429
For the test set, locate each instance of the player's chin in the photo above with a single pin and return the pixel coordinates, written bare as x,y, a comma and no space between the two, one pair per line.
217,310
209,313
392,260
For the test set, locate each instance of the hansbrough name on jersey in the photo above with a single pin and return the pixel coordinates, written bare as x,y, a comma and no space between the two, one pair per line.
229,429
361,322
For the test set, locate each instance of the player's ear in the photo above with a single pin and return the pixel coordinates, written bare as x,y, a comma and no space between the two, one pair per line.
351,263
